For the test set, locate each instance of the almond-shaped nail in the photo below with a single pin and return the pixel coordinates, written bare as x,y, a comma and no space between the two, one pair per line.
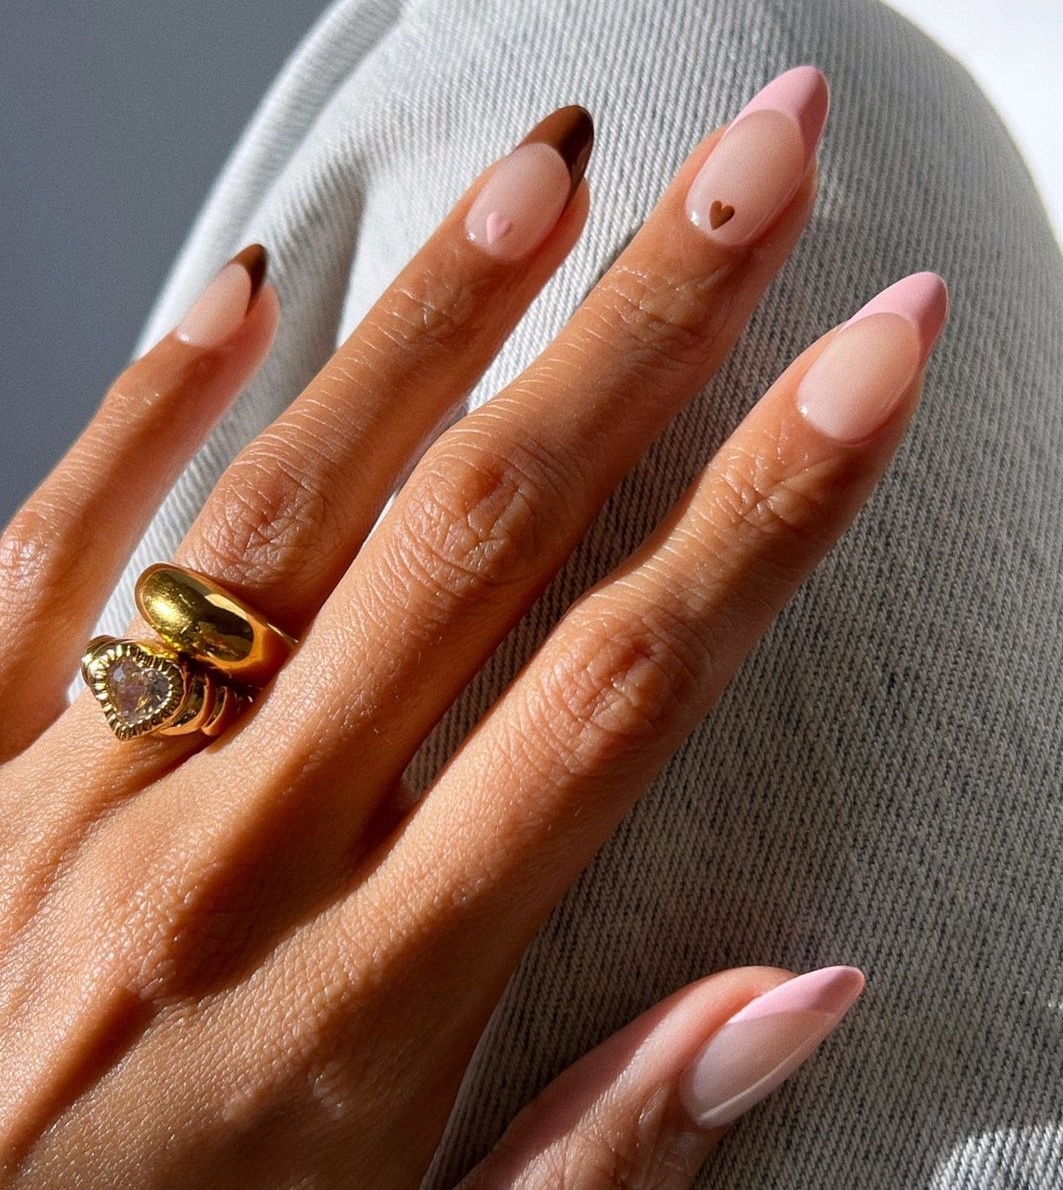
762,1045
222,307
526,193
757,166
868,366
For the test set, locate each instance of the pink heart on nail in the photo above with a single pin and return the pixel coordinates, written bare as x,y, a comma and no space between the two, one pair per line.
498,227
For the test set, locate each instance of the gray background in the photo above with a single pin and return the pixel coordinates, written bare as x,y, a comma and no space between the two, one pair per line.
116,114
114,119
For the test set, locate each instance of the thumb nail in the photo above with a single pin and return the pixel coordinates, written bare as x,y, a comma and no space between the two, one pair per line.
758,1048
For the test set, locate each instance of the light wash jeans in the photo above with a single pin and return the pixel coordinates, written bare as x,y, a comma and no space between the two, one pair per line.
883,783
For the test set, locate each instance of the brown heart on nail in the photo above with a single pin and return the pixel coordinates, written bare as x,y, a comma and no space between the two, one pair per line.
719,214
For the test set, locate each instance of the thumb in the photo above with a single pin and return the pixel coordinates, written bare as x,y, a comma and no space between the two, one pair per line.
648,1106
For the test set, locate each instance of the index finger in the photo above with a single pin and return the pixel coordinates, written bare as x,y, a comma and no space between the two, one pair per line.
291,511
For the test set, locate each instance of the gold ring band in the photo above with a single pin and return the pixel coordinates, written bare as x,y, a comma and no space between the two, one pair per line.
215,649
199,618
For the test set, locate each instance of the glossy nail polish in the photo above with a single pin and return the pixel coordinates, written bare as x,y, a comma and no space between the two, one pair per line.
870,363
222,307
762,1045
523,198
758,164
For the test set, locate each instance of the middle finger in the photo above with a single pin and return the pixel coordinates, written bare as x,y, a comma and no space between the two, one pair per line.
500,501
291,511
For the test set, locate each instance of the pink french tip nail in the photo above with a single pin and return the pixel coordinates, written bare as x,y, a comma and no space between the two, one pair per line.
922,298
756,168
757,1049
872,361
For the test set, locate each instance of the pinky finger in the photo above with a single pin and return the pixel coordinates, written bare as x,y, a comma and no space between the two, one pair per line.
63,551
647,1108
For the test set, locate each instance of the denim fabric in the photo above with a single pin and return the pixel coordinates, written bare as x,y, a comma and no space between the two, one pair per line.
883,782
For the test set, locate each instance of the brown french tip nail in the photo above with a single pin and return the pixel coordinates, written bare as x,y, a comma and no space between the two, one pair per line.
226,302
529,189
569,130
255,259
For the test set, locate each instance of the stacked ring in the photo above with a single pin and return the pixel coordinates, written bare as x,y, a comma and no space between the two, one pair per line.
214,652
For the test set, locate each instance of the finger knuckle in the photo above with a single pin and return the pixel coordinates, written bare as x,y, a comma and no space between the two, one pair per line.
476,521
623,682
24,549
584,1158
31,555
267,520
180,934
138,387
437,308
621,1152
762,498
663,321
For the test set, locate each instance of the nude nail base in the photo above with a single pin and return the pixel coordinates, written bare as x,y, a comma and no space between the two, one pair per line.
755,1051
857,382
756,168
528,190
221,308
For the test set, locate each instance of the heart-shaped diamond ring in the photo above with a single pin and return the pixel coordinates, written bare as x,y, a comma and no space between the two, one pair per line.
214,652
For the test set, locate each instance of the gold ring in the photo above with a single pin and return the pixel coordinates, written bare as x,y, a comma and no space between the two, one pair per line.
215,650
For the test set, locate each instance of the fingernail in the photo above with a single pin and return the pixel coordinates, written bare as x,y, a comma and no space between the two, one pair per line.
523,199
222,307
758,165
870,363
763,1044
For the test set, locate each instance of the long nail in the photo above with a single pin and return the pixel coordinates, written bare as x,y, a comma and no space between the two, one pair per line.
222,307
523,198
870,364
762,1045
758,165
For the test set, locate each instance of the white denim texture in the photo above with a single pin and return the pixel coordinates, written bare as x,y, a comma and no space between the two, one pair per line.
882,784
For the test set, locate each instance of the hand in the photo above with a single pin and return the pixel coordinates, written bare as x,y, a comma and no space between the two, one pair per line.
258,962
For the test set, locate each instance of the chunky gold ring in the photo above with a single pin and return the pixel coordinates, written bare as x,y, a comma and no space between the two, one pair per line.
214,652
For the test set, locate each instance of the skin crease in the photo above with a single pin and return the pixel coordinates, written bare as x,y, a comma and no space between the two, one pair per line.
246,965
40,543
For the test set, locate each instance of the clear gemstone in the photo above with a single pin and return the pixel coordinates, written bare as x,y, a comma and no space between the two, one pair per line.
137,692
